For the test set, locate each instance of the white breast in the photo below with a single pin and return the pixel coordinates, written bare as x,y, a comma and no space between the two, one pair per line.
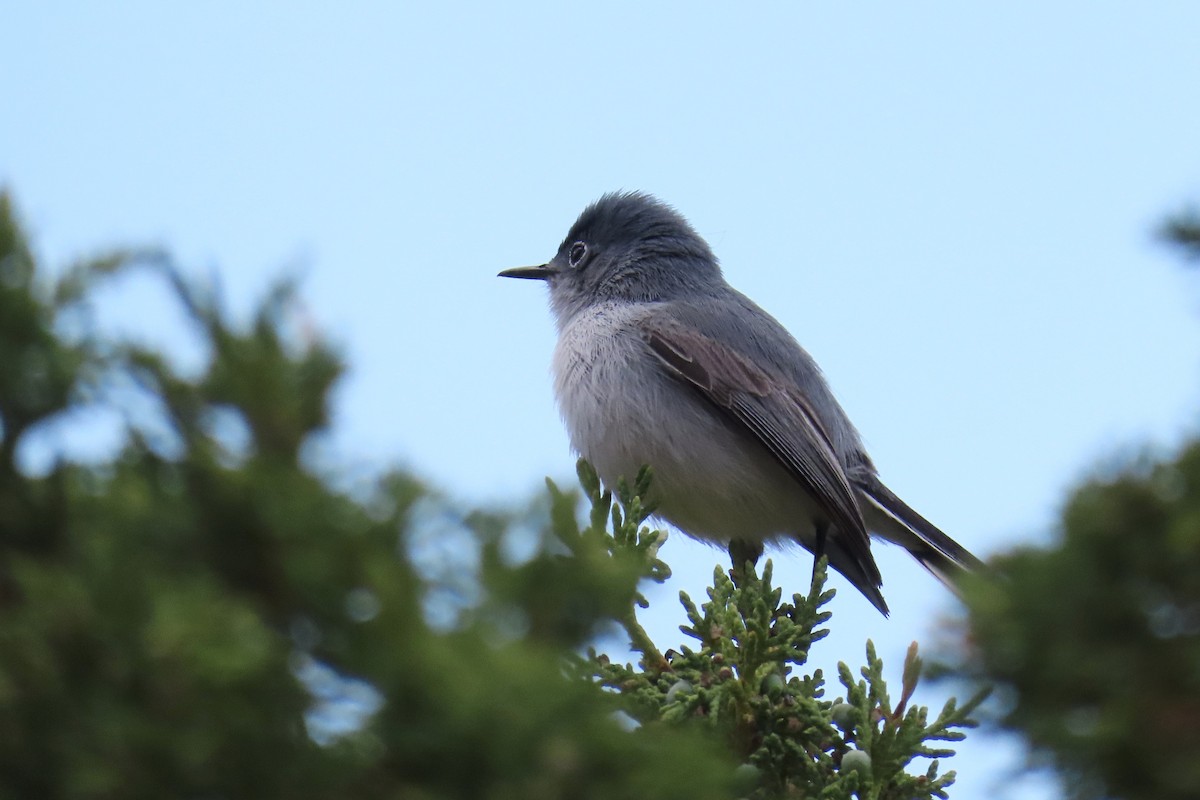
622,410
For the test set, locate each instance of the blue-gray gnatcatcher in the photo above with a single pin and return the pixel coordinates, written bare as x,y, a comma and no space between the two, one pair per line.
661,362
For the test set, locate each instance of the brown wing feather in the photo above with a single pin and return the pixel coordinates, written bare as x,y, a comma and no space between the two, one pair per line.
778,415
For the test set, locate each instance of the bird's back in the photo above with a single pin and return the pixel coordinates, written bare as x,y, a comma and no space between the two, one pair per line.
741,324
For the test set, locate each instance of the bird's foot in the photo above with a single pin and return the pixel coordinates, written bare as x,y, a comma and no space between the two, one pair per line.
743,554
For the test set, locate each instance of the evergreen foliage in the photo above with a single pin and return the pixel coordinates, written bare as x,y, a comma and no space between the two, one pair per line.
214,611
1094,640
1183,231
738,682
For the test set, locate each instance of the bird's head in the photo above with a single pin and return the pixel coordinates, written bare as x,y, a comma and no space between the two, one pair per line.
625,246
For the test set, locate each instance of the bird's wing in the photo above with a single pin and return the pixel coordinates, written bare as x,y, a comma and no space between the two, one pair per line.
899,523
779,415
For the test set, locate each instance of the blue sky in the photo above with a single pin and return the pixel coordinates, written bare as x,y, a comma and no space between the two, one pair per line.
952,207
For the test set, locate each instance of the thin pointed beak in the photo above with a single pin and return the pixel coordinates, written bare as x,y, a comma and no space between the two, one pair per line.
538,273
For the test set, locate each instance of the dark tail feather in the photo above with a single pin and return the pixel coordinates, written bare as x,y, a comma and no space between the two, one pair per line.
844,562
890,517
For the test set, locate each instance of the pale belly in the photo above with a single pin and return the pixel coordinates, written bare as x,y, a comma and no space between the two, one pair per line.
712,480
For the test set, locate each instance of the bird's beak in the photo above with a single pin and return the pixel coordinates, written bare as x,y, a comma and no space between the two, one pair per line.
538,273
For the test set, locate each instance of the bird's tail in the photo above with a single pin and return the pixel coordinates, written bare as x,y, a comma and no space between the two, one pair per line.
891,518
865,578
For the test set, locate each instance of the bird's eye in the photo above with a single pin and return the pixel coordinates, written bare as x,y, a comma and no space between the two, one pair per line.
575,256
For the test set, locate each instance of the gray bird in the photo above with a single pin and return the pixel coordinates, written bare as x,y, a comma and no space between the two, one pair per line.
661,362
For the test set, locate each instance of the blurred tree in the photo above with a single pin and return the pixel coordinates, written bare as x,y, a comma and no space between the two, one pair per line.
1183,231
1095,640
203,614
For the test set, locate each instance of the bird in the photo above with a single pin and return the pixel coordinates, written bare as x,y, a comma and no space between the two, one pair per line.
660,362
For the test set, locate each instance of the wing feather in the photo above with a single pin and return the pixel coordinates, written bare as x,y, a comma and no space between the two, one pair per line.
778,415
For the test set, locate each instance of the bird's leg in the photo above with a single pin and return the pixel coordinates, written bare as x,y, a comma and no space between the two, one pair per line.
741,552
822,531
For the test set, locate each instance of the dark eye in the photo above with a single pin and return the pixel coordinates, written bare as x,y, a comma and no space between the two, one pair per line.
575,256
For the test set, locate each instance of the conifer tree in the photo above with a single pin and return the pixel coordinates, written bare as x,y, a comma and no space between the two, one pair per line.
1095,639
211,611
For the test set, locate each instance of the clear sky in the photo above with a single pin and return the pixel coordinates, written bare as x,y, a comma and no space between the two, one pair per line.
951,206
